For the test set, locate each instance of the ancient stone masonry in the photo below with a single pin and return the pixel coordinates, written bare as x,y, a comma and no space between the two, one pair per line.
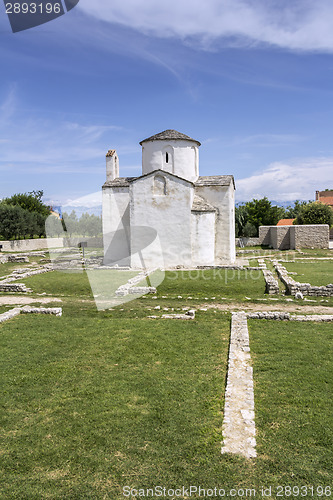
285,316
14,287
57,311
272,285
295,237
247,242
9,314
18,258
130,287
8,283
14,258
238,424
294,287
169,215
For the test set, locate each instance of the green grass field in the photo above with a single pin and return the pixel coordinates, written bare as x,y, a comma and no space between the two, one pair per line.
95,401
293,377
317,273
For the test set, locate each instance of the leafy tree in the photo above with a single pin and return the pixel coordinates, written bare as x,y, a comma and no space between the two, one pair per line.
293,212
23,215
263,213
241,218
90,225
315,213
31,201
249,230
70,223
54,226
12,221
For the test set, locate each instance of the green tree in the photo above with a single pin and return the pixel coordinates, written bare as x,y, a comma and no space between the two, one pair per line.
263,213
54,226
31,201
70,223
13,222
241,218
90,225
315,213
293,212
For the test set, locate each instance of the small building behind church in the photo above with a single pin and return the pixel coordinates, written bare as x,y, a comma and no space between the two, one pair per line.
170,208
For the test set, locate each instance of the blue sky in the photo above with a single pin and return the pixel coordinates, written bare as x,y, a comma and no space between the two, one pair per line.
250,79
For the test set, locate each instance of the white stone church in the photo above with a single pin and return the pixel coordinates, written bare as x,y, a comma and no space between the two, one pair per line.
168,210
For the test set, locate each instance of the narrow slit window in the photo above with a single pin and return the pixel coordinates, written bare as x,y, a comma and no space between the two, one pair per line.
166,157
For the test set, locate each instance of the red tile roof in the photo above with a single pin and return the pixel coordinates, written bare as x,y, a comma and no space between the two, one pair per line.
285,222
328,200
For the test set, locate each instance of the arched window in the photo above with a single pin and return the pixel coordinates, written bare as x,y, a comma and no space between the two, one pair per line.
167,159
159,185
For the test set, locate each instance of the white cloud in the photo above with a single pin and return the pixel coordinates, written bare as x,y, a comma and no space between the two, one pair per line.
298,25
297,179
88,201
39,145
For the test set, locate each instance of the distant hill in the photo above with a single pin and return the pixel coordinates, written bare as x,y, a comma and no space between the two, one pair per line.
283,204
96,210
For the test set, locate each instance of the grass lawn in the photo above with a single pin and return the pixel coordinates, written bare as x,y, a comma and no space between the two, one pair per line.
317,273
93,403
8,268
293,378
316,252
227,283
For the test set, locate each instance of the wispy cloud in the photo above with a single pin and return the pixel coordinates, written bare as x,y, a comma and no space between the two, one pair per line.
36,144
297,179
8,106
300,25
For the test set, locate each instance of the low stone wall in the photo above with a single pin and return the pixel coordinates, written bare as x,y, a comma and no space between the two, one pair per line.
57,311
285,316
295,237
238,423
18,258
14,287
272,285
30,245
305,288
247,242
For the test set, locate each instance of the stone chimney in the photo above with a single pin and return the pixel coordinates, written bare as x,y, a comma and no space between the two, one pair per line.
112,165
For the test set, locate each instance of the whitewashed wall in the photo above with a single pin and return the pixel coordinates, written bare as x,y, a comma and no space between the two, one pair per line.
203,238
169,215
31,245
116,219
222,197
183,158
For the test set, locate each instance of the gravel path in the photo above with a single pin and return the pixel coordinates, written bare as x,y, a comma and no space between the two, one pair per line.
15,300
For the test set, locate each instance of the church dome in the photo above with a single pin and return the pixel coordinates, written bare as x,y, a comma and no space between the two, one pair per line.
173,152
170,135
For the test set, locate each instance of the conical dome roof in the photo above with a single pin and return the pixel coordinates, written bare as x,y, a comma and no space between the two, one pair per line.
168,135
